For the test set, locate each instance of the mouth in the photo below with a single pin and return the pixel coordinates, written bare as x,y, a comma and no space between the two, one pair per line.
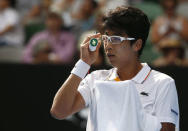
110,55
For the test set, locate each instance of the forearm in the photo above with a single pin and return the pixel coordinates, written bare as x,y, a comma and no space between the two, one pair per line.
65,97
7,29
153,121
167,127
68,100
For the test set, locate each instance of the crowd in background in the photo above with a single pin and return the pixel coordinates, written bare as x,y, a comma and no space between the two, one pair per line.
51,31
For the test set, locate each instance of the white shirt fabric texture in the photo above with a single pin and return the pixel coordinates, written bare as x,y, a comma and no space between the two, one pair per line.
9,17
139,104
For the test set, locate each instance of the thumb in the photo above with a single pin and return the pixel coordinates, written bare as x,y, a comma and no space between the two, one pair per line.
99,45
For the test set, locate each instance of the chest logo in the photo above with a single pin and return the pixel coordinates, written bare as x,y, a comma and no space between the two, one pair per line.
144,93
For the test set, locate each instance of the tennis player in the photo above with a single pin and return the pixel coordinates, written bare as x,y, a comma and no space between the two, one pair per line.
130,96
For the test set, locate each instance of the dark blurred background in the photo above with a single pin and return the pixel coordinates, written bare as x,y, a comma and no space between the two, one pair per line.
39,45
27,92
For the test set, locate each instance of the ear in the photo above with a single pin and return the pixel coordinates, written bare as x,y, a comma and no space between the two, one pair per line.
137,45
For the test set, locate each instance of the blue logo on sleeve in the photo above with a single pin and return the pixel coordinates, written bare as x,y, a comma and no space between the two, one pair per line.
173,111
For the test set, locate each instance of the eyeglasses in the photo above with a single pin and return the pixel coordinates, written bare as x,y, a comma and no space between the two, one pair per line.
115,39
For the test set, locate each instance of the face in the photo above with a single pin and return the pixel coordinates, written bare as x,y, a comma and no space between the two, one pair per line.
53,24
119,54
169,7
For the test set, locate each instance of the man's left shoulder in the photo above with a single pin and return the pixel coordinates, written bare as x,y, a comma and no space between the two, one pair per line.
160,77
160,82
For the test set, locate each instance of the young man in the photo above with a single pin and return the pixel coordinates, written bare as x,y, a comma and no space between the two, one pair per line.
129,96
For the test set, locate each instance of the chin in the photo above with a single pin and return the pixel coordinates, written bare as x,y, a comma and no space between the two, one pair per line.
118,64
112,63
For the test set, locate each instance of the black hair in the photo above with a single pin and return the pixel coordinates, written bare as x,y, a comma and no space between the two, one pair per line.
129,20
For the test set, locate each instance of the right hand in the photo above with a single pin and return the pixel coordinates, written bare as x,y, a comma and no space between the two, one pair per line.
90,56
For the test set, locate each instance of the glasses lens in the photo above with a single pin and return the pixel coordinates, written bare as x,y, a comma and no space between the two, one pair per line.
115,40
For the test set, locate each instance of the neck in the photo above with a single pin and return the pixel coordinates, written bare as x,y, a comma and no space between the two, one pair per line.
129,71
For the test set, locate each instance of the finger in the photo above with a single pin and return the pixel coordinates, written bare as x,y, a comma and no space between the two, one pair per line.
91,37
99,45
96,35
86,40
85,46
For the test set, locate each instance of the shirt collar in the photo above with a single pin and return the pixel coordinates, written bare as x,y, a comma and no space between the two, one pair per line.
140,77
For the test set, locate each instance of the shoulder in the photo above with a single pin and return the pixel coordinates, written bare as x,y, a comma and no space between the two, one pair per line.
161,79
161,84
160,75
160,19
101,74
67,34
11,11
39,36
42,34
91,78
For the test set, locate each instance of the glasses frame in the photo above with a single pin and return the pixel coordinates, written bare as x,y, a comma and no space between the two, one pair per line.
121,38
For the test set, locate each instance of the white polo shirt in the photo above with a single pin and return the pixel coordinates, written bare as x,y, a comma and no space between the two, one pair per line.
157,93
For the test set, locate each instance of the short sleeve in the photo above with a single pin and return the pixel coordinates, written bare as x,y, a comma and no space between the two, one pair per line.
167,107
85,91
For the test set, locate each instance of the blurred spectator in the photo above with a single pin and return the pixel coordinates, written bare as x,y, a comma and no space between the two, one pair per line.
67,8
170,25
38,13
173,54
23,6
182,8
107,5
85,18
52,45
10,31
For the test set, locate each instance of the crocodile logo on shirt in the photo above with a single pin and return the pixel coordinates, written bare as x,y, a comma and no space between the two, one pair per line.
144,93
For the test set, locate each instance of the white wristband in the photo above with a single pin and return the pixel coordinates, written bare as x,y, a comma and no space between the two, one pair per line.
80,69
